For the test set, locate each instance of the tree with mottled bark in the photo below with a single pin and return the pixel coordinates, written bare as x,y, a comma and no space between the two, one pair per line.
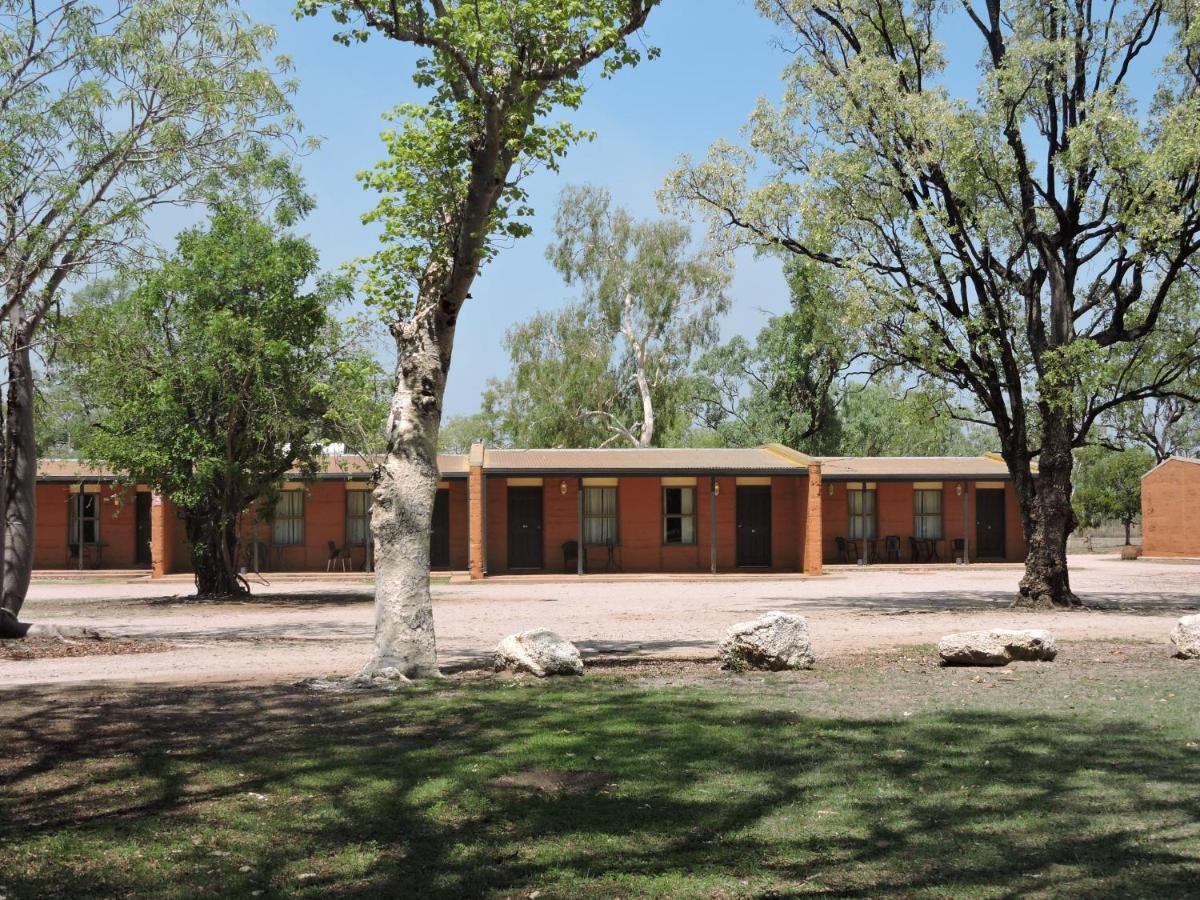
614,366
1026,244
452,193
106,112
214,376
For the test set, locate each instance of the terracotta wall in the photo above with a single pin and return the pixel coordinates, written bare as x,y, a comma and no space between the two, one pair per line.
324,521
640,525
895,514
116,523
1171,510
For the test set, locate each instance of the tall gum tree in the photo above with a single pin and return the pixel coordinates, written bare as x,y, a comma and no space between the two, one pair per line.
1029,245
107,111
452,189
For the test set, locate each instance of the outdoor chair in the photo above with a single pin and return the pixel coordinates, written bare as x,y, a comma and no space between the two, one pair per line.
959,546
570,551
891,548
914,547
613,564
847,550
338,556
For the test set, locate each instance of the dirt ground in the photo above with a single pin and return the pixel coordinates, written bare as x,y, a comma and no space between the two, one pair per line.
311,628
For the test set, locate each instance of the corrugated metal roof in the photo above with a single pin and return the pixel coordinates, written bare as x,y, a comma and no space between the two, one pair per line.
641,460
768,459
336,467
883,468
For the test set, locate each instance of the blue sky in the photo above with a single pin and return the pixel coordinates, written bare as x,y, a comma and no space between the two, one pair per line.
717,59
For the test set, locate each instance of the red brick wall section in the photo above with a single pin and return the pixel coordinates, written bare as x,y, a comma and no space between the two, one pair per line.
1171,510
640,525
117,522
895,515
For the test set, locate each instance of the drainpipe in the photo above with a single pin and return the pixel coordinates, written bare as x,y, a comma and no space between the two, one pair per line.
966,537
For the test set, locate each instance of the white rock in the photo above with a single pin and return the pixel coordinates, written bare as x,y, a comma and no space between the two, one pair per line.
540,652
1186,637
774,641
997,647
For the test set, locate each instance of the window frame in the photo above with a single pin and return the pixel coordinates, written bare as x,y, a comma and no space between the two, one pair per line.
75,523
292,520
922,517
364,517
680,516
865,516
606,519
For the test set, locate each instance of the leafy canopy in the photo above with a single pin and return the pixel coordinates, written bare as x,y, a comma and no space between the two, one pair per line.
212,376
451,182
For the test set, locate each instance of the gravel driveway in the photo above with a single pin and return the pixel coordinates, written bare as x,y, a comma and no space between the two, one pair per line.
289,631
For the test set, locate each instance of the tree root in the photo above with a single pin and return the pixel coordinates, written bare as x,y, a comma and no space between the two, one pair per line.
1045,603
13,630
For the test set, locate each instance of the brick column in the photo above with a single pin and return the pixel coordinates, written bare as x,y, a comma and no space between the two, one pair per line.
475,511
813,523
160,539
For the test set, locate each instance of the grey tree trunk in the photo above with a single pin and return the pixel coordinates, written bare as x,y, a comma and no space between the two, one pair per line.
19,483
403,510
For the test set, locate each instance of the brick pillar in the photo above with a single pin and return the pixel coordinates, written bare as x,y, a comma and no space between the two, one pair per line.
475,511
160,539
813,523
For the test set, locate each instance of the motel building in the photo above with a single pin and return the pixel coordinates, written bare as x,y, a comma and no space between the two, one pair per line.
578,512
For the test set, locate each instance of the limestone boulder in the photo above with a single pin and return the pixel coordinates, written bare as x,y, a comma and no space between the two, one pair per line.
539,652
1186,637
775,641
997,647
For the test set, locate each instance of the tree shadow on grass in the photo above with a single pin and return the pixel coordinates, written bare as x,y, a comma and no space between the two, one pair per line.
703,793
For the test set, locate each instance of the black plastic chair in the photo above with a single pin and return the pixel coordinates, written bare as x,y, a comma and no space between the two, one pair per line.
891,548
847,550
914,546
959,546
570,551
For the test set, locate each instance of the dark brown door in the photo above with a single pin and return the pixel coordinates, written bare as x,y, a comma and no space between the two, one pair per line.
989,524
439,531
525,528
754,526
141,530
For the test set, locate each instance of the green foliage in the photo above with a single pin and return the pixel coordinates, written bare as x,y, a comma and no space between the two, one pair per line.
451,183
613,367
107,113
212,376
781,388
1028,246
1108,485
886,418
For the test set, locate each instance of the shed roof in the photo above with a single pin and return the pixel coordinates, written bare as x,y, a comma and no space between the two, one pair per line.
765,460
900,468
771,458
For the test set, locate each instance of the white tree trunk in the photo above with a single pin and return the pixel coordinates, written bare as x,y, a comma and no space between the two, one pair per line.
403,510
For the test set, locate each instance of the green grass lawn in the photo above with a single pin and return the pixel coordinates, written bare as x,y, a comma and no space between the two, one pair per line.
874,777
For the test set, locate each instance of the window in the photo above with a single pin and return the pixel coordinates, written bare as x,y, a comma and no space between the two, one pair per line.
288,529
679,515
83,519
862,514
600,515
358,517
927,514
